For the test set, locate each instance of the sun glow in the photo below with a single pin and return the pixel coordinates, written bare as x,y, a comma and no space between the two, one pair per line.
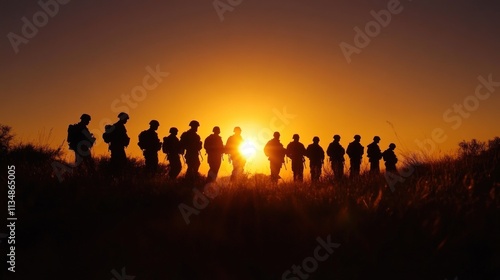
248,149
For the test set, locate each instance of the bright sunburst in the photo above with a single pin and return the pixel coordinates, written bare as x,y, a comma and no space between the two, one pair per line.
248,149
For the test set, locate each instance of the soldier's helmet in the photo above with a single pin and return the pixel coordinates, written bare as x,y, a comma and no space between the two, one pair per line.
85,117
295,136
154,123
336,137
392,146
237,129
216,129
173,130
376,138
315,139
123,116
194,123
357,137
276,134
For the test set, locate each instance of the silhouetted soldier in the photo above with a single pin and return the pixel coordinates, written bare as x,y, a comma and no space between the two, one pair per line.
316,156
355,152
81,140
215,149
275,152
336,153
296,152
233,150
191,142
390,159
150,145
171,147
374,155
119,141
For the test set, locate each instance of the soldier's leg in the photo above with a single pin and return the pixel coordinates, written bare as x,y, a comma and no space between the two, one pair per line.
88,163
391,168
193,163
211,174
317,172
354,168
300,171
192,169
241,165
234,173
196,166
214,164
118,160
339,171
271,166
357,168
313,172
295,170
153,162
147,160
189,170
175,166
334,166
274,171
374,168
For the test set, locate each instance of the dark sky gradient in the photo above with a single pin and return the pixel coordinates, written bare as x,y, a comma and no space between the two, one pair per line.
265,55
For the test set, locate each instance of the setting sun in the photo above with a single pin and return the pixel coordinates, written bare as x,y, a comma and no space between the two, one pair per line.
248,149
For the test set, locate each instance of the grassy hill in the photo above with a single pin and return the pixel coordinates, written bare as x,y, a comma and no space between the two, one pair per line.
439,219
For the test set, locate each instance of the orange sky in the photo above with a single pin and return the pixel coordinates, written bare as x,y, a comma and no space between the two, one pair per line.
262,58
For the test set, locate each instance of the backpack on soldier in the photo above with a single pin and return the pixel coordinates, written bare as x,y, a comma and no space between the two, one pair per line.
73,136
107,136
143,140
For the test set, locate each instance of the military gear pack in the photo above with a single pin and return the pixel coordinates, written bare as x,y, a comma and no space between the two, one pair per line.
107,136
213,145
148,140
79,133
74,136
275,151
170,145
373,152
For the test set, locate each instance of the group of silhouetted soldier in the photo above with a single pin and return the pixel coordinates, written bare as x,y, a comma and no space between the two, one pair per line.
189,146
